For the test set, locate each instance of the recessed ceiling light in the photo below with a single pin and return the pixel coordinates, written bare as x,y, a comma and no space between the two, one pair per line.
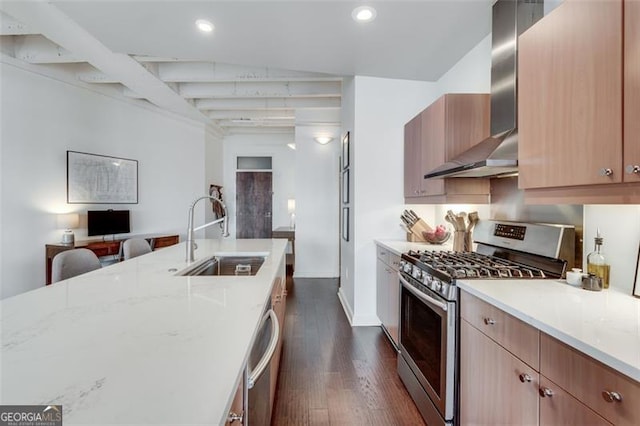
323,140
292,145
363,14
204,25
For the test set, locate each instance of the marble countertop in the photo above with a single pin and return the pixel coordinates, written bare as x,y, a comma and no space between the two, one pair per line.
398,246
605,325
133,343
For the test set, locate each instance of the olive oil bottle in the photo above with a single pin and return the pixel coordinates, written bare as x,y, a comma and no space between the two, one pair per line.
597,263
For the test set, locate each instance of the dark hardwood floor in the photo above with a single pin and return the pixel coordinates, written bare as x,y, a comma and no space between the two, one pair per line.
331,373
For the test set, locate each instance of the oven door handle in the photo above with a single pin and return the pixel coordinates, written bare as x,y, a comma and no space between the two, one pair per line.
422,296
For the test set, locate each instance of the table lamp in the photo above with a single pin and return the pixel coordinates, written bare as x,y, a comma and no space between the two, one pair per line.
291,207
68,222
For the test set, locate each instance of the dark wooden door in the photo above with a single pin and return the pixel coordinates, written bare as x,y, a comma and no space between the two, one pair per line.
253,204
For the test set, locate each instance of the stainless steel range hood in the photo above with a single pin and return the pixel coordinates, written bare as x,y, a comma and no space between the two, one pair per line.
498,155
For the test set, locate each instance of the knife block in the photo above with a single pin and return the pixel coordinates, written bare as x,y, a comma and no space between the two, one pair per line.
418,228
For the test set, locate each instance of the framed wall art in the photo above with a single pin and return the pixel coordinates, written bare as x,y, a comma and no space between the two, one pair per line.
345,151
345,187
345,223
100,179
636,283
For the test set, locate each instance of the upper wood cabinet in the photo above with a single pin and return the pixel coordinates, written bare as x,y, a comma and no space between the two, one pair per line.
578,82
448,127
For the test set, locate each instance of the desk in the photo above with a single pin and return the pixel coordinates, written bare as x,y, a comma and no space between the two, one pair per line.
105,248
289,234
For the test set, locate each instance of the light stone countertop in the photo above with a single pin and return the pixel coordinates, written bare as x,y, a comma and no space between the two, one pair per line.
134,344
604,325
398,246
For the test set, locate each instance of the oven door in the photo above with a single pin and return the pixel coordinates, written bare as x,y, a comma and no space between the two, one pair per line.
428,343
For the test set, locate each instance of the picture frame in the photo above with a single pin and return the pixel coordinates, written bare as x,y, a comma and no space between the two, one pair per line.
345,187
345,223
101,179
636,282
345,151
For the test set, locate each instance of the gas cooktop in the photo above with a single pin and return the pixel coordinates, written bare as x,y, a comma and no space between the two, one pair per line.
473,265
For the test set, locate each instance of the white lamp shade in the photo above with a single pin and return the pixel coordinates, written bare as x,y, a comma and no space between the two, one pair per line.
68,221
291,205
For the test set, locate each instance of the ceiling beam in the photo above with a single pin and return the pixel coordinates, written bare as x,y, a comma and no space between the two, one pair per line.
267,103
260,130
59,28
203,72
251,114
36,49
256,123
10,26
262,89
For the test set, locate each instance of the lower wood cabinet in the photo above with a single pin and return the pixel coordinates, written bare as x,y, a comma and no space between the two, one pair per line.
388,292
496,388
279,306
558,407
511,375
591,382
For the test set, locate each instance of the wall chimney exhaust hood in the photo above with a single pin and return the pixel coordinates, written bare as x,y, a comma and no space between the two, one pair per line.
498,154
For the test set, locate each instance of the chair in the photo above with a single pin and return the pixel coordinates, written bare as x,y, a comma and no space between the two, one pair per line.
135,247
74,262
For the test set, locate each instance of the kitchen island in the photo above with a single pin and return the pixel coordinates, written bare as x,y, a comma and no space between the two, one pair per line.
135,343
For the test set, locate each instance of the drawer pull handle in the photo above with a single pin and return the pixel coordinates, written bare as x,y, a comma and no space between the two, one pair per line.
631,169
545,392
605,171
524,377
611,396
489,321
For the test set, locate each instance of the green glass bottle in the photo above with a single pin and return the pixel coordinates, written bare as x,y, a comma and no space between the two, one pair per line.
597,263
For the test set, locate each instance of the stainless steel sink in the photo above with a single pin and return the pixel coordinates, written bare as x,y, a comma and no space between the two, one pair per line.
226,265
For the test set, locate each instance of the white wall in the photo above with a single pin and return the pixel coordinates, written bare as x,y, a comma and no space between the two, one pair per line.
214,174
382,107
472,73
42,118
346,292
317,203
620,227
283,160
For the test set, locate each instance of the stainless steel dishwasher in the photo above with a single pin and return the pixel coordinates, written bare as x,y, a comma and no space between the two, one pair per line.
257,398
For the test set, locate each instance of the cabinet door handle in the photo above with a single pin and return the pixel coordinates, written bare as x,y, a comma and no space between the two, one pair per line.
631,169
605,171
524,378
545,392
489,321
611,396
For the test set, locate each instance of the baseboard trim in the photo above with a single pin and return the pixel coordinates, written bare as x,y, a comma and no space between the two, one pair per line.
365,321
356,320
345,306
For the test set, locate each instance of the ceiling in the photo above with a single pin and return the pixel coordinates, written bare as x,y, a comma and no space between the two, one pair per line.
264,63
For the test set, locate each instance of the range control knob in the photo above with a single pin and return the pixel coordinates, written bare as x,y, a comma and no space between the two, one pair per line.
436,285
417,273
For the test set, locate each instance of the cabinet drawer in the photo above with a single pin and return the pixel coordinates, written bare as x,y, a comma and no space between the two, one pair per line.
563,409
383,254
107,248
519,338
165,241
394,261
587,380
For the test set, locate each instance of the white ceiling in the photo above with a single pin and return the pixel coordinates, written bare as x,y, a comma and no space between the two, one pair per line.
290,55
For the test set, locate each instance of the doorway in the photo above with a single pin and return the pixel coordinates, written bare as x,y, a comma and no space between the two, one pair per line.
254,200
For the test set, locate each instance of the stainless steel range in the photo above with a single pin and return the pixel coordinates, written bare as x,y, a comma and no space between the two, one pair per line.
428,361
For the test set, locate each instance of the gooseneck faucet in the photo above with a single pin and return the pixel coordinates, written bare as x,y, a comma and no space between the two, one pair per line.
191,245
